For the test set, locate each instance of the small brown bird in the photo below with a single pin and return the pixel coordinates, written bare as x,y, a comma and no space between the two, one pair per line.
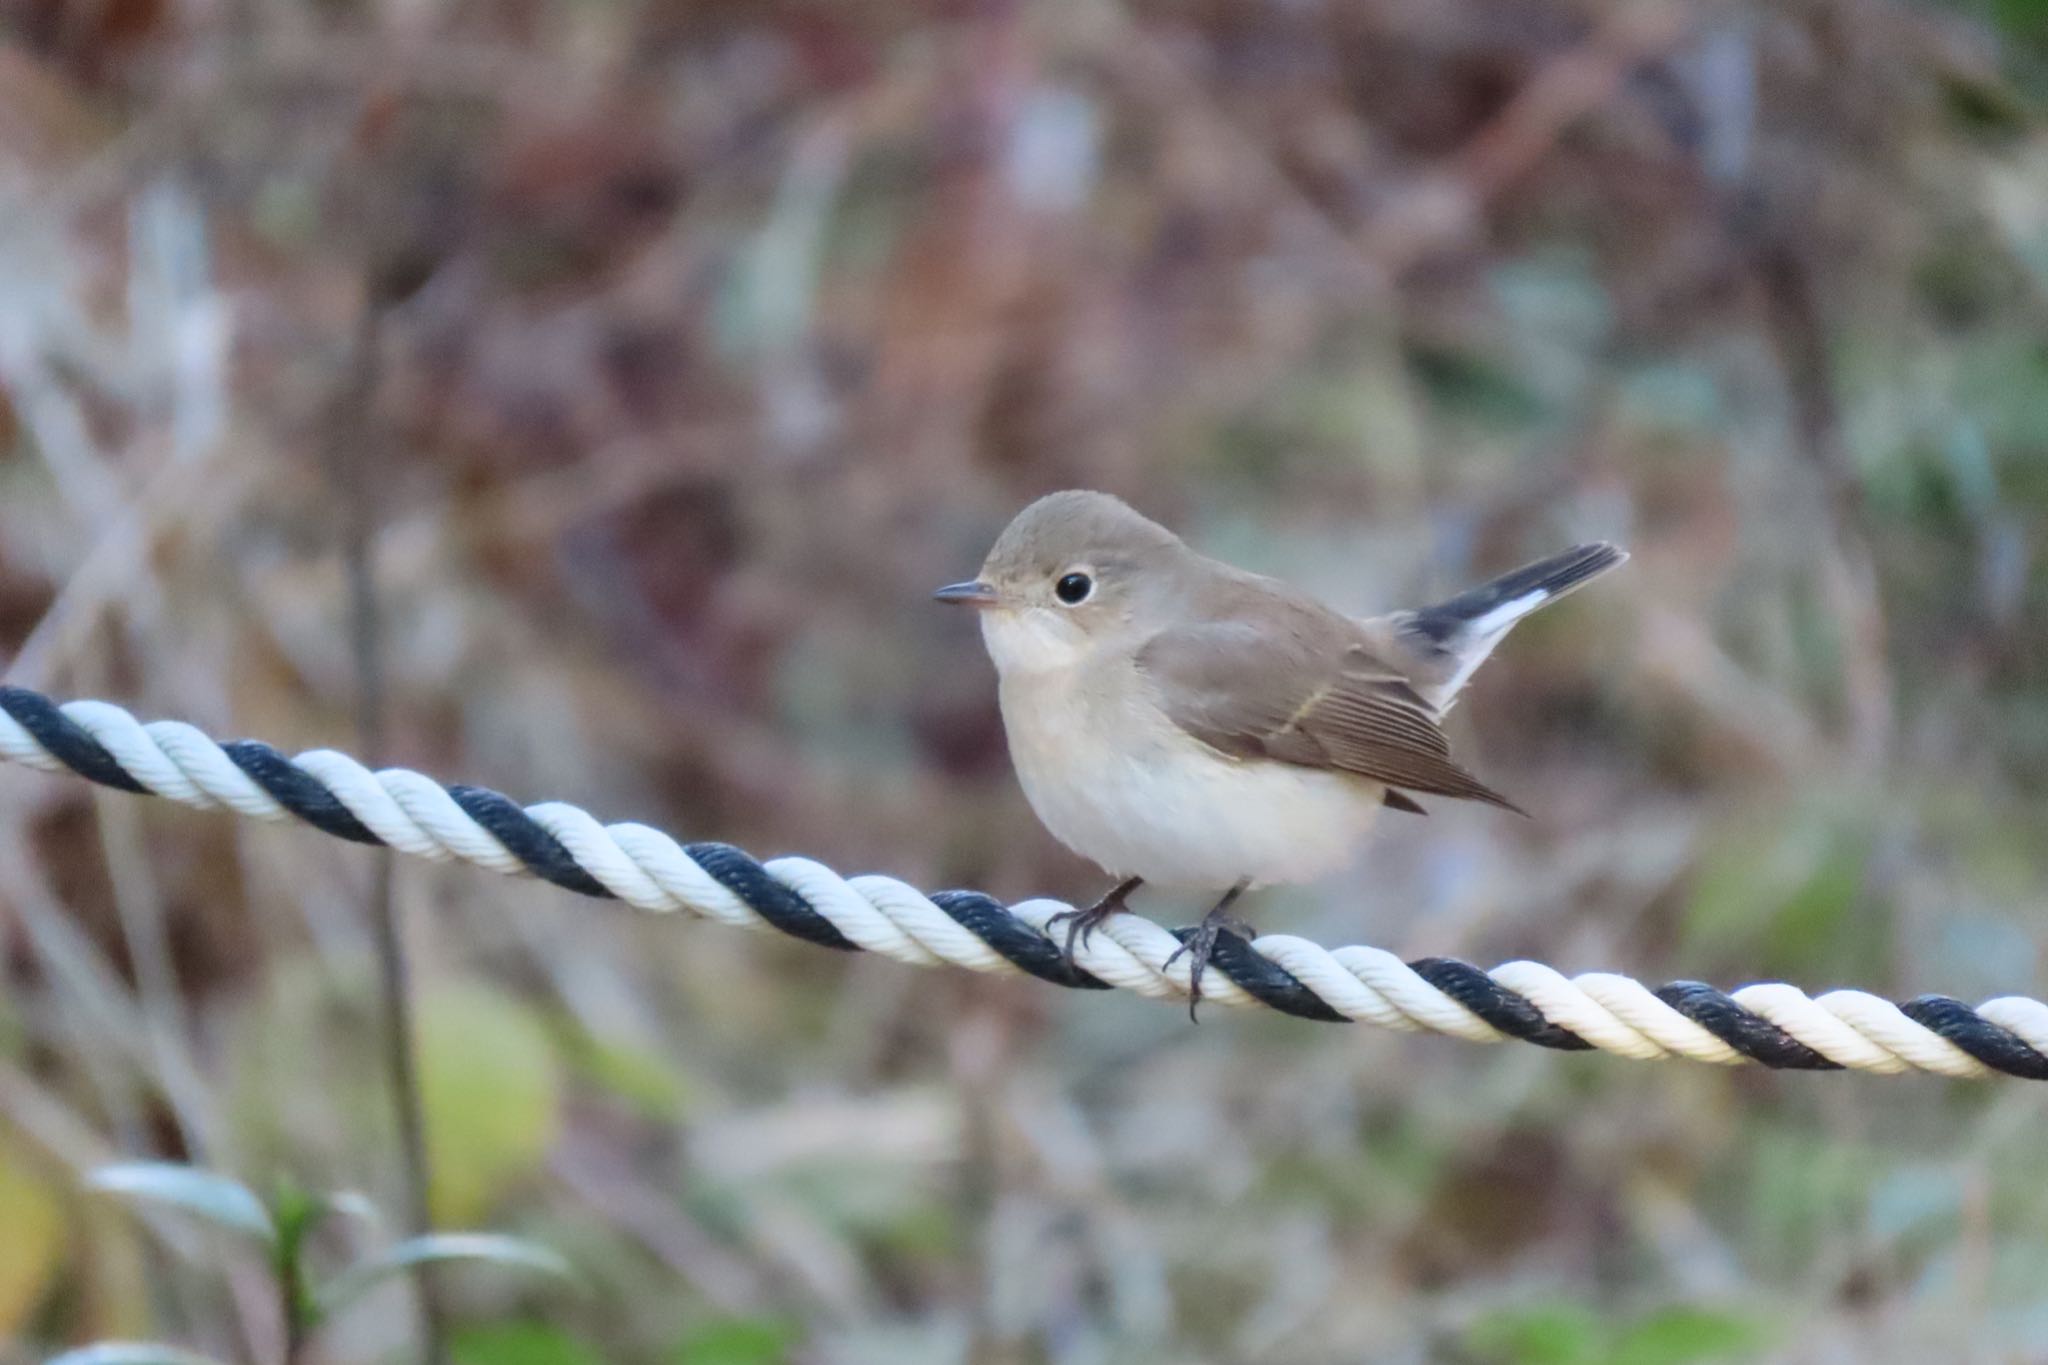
1182,722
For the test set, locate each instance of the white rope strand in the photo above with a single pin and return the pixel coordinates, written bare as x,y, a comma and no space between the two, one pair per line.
646,868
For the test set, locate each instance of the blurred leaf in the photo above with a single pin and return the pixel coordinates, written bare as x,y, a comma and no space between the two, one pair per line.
1783,894
737,1341
1815,917
1965,275
922,1227
1682,1336
32,1243
1804,1193
1549,1334
1986,109
357,1205
488,1084
2024,21
520,1343
489,1247
1466,384
213,1197
130,1353
1744,875
297,1213
640,1077
2002,382
11,1031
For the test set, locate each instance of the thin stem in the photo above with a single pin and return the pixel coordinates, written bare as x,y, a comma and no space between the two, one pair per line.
291,1298
352,455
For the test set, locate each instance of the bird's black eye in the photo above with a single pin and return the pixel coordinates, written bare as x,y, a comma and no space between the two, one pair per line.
1074,588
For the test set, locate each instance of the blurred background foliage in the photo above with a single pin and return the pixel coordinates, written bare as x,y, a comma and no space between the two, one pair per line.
682,347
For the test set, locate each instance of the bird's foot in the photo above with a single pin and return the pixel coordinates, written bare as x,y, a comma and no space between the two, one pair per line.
1082,923
1200,945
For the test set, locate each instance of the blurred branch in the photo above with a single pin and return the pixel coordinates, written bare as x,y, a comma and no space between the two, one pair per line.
161,1010
354,453
1682,657
650,1217
1848,570
1566,89
1444,202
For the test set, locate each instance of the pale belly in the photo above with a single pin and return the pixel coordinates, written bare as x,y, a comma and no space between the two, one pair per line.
1152,802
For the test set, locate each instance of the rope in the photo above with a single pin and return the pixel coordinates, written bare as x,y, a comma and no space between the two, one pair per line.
1773,1024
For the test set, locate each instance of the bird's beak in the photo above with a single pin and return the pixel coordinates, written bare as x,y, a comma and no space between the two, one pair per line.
974,594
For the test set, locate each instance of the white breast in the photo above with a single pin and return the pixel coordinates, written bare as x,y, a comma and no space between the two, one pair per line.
1118,783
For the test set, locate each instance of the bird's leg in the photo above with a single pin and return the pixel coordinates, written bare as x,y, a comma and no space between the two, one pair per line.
1201,944
1085,922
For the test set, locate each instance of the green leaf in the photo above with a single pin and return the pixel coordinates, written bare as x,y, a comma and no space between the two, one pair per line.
130,1353
1547,1334
297,1213
738,1341
489,1081
441,1246
641,1078
519,1343
215,1198
1687,1336
1782,890
32,1246
1465,383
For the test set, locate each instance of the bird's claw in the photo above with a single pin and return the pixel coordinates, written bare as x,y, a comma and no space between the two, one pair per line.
1083,923
1200,946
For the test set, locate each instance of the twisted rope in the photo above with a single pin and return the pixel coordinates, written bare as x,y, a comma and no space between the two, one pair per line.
1773,1024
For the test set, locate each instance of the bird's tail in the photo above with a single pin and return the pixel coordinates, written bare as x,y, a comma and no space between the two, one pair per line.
1454,637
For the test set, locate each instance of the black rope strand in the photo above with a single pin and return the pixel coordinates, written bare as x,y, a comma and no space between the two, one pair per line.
1264,979
523,836
1750,1034
989,920
66,740
1509,1011
299,792
737,871
1994,1045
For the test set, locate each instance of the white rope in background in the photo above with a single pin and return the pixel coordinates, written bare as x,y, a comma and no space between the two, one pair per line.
648,869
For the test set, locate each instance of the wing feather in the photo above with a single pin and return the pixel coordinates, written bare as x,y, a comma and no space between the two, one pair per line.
1296,696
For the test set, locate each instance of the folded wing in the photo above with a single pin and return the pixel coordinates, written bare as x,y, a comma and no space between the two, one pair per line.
1304,696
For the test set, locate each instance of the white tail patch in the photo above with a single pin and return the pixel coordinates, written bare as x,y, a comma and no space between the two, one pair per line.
1475,642
1460,632
1507,613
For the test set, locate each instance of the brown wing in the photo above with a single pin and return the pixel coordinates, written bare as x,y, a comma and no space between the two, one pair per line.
1266,692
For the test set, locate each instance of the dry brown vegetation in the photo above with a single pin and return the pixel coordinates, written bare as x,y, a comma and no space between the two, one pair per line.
680,348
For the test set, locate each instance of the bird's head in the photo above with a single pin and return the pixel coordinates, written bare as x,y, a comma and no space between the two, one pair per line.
1071,572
